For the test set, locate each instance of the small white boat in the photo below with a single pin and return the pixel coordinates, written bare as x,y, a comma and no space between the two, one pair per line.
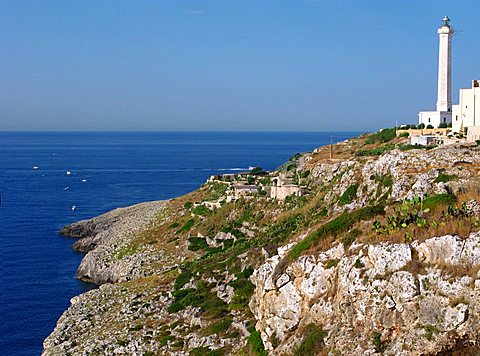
84,180
36,167
66,188
74,207
69,173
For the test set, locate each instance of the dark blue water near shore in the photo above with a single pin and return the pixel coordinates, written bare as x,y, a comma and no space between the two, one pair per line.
38,266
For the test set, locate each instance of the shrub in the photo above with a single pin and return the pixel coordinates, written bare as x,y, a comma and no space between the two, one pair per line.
381,136
443,125
350,237
255,344
429,126
220,327
438,200
258,171
243,290
312,342
442,177
187,205
182,279
421,126
197,243
375,151
187,226
404,134
377,342
201,210
348,195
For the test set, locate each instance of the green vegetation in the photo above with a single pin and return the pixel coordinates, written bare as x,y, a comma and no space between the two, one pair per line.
243,290
442,177
348,195
255,344
220,327
258,171
182,279
290,165
438,200
350,237
375,151
201,210
197,243
202,297
187,226
404,147
173,225
312,342
127,250
382,136
377,342
332,228
429,331
332,263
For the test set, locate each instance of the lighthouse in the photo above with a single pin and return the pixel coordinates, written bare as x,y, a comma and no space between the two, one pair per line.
443,114
444,98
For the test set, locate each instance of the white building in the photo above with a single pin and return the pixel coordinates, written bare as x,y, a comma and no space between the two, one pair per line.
467,113
443,114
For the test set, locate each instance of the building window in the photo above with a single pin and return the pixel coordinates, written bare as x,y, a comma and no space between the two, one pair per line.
428,119
456,118
444,119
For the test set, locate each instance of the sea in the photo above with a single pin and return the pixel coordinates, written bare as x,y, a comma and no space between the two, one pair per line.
49,179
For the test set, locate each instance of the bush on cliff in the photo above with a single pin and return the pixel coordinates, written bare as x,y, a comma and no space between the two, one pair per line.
348,195
340,224
383,136
312,342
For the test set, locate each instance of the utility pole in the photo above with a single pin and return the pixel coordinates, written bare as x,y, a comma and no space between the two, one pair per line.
331,147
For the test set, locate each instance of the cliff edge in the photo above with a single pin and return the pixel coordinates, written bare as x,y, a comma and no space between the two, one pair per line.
373,250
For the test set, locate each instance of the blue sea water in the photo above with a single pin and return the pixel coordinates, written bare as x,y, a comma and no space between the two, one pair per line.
108,170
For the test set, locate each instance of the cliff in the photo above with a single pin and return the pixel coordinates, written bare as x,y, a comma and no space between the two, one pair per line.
379,254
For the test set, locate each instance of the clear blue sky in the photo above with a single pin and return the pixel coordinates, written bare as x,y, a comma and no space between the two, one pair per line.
226,64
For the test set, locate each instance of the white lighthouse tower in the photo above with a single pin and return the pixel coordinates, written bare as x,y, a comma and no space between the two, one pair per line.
443,115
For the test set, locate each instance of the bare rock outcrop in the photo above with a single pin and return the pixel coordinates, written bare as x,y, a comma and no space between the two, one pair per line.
106,240
374,289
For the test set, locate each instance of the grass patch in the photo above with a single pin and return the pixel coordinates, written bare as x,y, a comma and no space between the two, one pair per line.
348,195
438,200
201,210
220,327
187,226
332,228
197,243
377,342
127,250
442,177
312,342
255,344
383,136
375,151
243,290
182,279
202,297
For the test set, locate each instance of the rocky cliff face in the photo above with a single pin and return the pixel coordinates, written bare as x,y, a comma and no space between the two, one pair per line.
395,291
349,268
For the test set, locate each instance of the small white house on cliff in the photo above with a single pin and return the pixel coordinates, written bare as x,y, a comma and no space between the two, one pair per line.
467,113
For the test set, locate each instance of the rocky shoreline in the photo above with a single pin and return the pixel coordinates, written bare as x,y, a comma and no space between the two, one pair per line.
382,256
100,237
